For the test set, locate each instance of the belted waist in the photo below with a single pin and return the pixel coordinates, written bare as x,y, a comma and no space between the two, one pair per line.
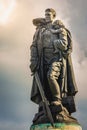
48,50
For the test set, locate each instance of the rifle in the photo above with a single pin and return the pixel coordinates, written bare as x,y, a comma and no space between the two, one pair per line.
44,100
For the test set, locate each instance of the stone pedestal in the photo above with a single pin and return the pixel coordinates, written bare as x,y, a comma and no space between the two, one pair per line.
57,126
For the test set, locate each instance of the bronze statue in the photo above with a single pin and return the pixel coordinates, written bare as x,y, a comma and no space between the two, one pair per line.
52,70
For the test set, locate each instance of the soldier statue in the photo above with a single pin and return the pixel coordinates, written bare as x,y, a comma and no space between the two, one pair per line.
51,61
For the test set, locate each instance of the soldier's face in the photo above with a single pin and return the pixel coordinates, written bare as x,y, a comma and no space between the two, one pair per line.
49,16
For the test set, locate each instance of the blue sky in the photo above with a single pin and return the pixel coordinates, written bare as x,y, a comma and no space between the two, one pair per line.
16,32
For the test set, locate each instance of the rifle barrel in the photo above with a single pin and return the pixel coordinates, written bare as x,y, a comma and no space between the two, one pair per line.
49,114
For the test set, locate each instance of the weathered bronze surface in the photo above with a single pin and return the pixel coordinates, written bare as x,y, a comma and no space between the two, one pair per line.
51,60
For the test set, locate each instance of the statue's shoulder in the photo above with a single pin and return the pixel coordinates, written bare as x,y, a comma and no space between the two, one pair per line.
39,22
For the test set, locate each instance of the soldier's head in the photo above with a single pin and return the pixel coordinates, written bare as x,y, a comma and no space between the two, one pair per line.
50,14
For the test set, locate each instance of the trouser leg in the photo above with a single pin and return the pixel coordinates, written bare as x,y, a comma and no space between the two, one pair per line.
53,75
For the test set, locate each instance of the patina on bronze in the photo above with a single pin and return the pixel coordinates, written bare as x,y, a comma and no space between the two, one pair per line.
51,60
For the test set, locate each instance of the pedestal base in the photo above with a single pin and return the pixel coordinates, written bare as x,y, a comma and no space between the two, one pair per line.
57,126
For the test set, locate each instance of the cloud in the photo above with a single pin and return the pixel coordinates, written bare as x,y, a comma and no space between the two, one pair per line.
14,126
15,106
80,68
78,21
81,113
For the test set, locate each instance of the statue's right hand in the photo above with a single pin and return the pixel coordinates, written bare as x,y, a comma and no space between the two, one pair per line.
33,68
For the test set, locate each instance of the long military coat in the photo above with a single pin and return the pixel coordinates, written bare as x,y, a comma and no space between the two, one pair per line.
69,85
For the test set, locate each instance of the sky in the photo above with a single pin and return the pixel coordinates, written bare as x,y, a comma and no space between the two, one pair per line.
16,33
